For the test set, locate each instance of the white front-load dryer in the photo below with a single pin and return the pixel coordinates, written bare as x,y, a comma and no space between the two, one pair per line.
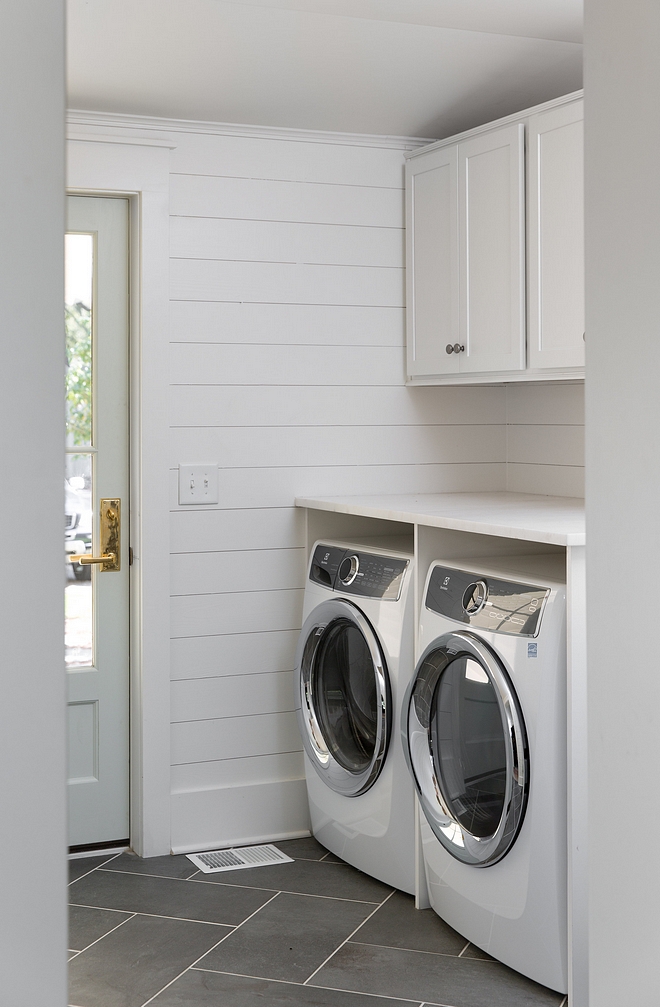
484,726
353,664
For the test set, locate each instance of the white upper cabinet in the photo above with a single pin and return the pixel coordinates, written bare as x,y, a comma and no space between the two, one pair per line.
491,240
556,237
481,306
432,262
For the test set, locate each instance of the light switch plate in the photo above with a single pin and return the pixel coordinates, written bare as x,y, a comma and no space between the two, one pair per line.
198,484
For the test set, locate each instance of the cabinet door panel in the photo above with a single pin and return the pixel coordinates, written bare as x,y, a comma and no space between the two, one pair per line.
492,250
556,237
432,263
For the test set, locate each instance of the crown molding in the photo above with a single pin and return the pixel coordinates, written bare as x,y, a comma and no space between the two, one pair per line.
565,99
78,119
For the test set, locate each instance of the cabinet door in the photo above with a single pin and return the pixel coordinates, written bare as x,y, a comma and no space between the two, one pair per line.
556,237
492,250
432,262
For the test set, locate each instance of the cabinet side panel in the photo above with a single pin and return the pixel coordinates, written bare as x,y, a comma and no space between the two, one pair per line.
556,276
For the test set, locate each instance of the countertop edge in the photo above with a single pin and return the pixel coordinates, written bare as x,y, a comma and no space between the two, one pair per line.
439,521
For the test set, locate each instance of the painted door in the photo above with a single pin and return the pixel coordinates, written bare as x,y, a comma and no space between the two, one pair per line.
432,262
491,201
96,484
556,237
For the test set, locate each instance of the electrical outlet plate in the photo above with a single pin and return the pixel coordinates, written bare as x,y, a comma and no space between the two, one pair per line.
198,484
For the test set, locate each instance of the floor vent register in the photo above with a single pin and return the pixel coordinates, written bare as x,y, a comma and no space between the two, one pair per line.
238,857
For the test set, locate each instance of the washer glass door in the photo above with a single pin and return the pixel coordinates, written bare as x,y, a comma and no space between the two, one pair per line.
467,749
344,707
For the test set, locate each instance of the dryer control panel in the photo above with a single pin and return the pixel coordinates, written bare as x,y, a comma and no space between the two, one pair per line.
498,606
352,571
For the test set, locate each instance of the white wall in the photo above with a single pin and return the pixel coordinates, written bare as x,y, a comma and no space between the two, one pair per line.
545,439
288,370
32,764
622,154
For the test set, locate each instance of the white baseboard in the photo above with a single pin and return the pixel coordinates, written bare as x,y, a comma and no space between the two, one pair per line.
239,816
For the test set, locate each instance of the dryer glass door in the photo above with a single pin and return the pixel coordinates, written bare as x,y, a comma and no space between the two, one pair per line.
467,748
344,705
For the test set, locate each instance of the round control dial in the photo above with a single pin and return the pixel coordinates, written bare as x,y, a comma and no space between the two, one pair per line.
348,570
475,597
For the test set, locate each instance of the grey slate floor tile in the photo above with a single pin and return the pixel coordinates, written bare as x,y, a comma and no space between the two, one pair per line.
83,865
302,849
137,893
136,961
209,989
162,867
433,978
87,925
472,951
305,877
288,939
398,924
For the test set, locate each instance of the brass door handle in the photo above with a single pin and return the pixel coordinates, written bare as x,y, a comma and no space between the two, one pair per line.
110,537
86,560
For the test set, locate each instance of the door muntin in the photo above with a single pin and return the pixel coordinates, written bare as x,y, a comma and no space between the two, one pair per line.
343,697
465,740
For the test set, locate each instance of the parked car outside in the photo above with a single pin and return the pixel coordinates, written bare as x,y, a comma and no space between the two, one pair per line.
77,524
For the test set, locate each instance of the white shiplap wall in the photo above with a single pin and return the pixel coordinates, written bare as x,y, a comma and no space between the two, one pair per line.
288,371
545,439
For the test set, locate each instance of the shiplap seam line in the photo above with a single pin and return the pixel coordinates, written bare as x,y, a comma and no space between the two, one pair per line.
287,181
297,223
285,220
238,758
233,716
286,262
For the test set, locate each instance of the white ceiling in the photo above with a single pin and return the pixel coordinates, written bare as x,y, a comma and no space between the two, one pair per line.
400,67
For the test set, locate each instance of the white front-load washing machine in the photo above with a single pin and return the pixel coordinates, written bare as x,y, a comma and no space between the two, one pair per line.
484,726
353,664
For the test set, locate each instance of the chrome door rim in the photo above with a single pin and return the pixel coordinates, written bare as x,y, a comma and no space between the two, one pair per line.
417,743
334,775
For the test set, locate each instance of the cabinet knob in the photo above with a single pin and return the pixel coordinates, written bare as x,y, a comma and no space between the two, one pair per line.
456,348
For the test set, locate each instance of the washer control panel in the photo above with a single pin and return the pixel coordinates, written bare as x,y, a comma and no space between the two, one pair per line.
352,571
499,606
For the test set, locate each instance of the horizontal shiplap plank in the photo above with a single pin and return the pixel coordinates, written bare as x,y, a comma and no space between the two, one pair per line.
213,364
232,696
545,404
278,487
257,199
289,282
226,572
233,654
254,769
314,405
304,161
234,738
283,241
546,445
215,531
238,816
247,447
550,480
247,612
312,324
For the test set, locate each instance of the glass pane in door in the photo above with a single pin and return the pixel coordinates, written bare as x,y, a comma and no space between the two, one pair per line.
79,474
345,696
469,747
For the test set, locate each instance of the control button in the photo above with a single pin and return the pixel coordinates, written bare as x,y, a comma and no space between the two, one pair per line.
474,597
348,570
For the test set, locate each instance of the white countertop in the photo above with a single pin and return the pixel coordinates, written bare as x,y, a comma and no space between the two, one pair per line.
526,516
